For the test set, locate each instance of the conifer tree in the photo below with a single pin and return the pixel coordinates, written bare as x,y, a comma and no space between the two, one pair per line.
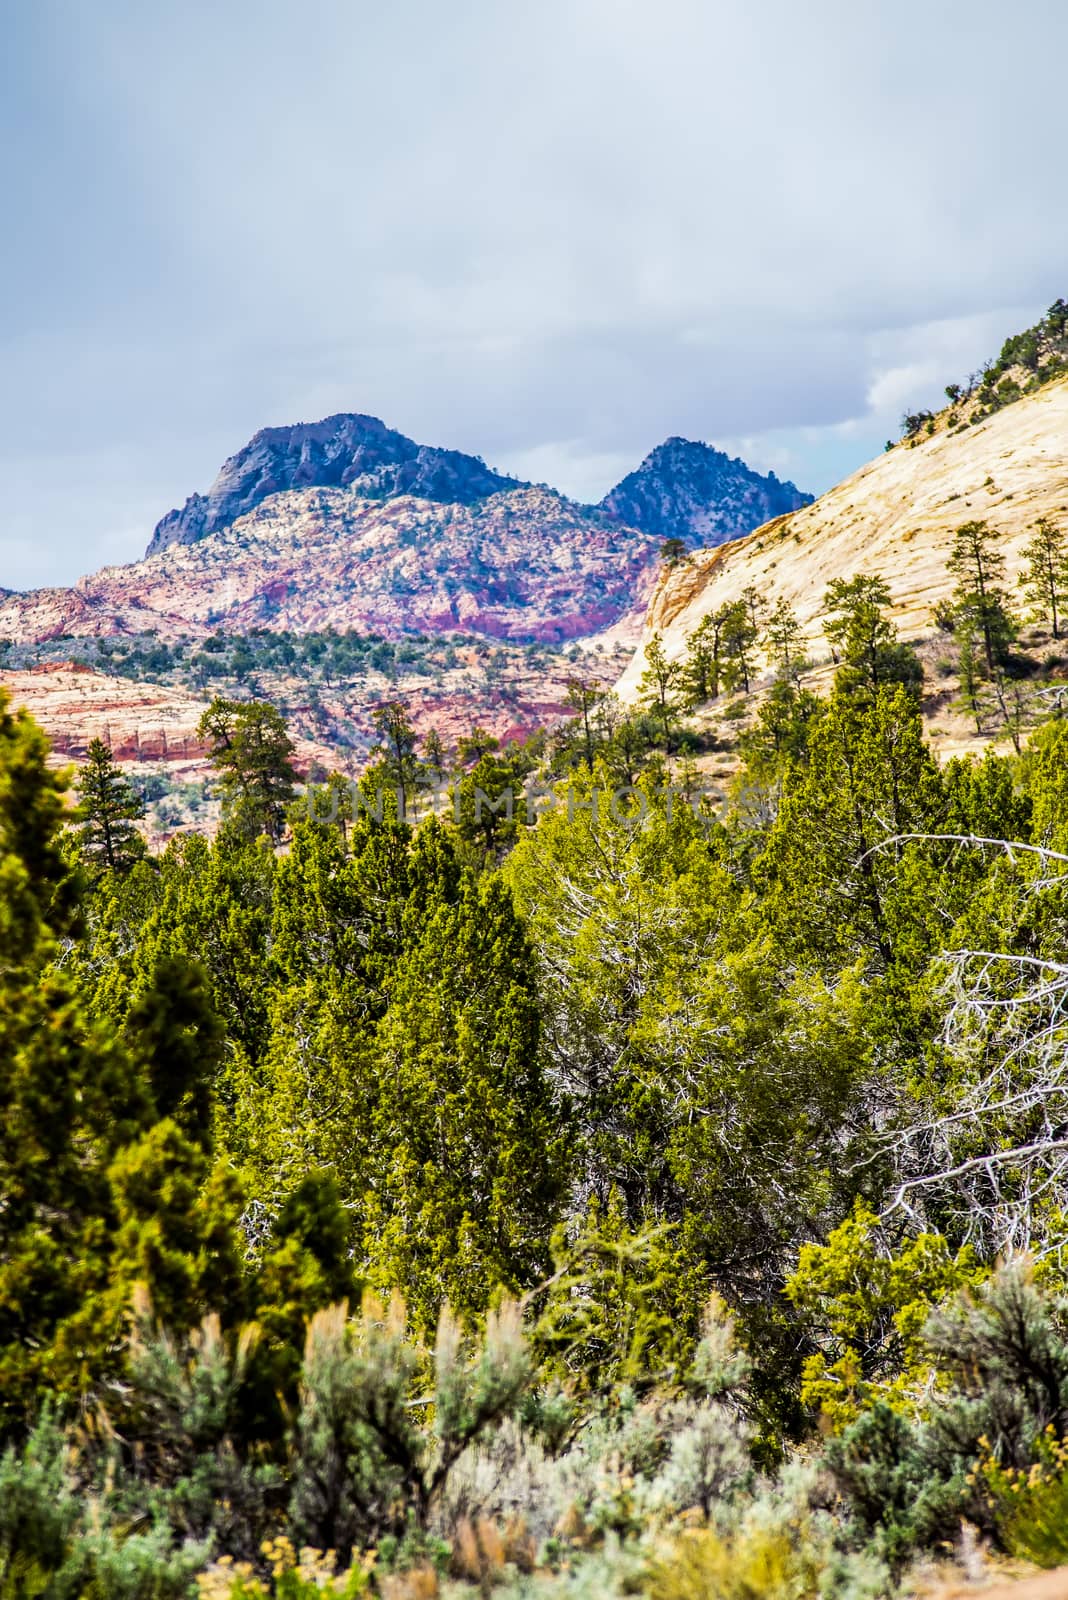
864,638
783,633
869,778
673,553
739,636
701,670
658,687
584,698
435,756
174,1031
108,811
253,752
978,564
1044,579
397,762
465,1161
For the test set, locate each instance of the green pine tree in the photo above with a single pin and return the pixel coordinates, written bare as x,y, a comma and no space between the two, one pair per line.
1044,579
253,752
978,564
864,639
107,814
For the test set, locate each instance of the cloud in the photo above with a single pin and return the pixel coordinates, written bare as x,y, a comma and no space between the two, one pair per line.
549,234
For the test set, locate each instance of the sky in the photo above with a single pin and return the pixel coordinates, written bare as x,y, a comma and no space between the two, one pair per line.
551,234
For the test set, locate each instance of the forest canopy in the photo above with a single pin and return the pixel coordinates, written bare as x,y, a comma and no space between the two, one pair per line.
490,1197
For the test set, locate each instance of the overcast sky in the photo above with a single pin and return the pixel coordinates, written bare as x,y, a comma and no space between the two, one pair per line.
552,232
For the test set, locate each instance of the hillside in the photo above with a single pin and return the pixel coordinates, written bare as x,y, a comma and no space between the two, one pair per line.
687,490
895,517
524,565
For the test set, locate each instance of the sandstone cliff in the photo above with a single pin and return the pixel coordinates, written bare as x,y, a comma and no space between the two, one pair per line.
896,516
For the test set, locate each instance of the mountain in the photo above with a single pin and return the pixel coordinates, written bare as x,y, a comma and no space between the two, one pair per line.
1002,460
687,490
344,451
526,565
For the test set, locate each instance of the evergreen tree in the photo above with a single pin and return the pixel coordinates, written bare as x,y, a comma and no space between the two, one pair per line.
701,670
755,608
397,761
658,688
583,699
782,728
465,1162
107,813
864,638
253,752
783,633
832,889
673,553
94,1194
739,635
1044,579
435,756
970,666
978,565
174,1032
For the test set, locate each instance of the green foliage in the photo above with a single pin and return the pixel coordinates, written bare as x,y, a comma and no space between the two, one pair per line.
868,1307
635,1059
865,639
1044,579
53,1543
673,553
467,1157
738,637
253,752
976,561
658,689
1032,1507
107,811
840,881
367,1461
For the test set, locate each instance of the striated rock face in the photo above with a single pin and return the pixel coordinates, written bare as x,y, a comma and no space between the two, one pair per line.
526,565
690,491
896,516
343,451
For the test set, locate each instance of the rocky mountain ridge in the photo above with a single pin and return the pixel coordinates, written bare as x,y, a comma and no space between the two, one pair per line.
347,450
688,490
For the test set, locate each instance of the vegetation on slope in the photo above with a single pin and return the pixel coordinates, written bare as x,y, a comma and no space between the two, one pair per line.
1026,361
465,1199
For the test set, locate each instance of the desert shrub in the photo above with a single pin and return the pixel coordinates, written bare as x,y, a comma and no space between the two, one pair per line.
1031,1507
186,1463
1002,1352
58,1538
368,1463
893,1503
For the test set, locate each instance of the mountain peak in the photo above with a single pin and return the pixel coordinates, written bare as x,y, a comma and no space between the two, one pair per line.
690,490
346,450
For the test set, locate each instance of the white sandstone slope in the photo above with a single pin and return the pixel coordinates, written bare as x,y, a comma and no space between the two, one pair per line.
896,516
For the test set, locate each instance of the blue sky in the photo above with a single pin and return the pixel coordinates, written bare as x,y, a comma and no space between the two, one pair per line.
551,234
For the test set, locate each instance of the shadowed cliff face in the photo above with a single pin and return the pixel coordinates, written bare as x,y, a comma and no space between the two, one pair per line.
343,451
689,491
